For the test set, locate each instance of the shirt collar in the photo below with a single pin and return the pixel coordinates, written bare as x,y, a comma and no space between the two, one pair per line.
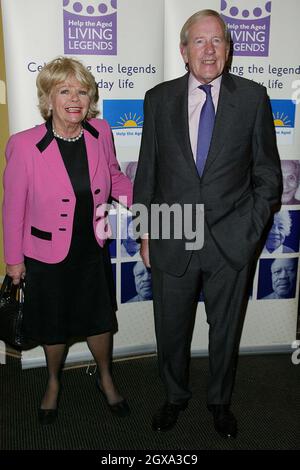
193,84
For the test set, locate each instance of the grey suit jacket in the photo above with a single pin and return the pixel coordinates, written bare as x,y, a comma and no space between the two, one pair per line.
241,182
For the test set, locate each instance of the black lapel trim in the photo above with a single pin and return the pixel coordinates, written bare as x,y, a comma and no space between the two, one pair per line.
48,137
88,127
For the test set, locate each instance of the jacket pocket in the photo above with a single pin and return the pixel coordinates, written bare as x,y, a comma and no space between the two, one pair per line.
41,234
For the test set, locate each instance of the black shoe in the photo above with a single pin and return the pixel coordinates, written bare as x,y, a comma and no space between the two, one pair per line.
224,420
47,416
120,409
166,417
50,415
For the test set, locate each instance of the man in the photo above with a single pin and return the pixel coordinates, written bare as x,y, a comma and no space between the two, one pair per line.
142,280
281,229
284,272
291,180
238,181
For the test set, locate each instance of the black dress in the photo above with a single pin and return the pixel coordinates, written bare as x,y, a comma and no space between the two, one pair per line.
76,297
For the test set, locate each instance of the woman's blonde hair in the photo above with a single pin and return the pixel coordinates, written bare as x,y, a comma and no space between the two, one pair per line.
57,71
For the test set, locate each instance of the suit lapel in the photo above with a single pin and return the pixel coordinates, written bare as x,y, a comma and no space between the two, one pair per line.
50,153
178,109
227,105
54,161
178,112
92,150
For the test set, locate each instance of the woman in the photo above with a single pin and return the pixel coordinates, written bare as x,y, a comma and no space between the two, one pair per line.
58,177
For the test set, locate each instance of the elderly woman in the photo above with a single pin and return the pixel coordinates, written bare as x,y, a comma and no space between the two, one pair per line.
291,181
58,177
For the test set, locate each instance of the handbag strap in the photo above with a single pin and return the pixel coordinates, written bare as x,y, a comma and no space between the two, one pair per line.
5,285
14,291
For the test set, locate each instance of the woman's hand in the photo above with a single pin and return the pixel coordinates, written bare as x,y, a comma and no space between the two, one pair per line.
16,272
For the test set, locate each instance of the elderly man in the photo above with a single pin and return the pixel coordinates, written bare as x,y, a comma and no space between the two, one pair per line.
284,272
208,138
142,280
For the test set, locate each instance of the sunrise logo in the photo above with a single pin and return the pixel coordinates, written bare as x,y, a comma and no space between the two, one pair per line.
130,120
284,112
126,118
123,113
90,27
249,26
281,120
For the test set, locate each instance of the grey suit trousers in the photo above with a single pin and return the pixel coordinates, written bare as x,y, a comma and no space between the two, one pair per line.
175,299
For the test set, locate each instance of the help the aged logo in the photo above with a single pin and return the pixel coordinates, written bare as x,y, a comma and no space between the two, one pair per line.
249,25
90,27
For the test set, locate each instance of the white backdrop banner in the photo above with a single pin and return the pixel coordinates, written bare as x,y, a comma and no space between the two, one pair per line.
130,46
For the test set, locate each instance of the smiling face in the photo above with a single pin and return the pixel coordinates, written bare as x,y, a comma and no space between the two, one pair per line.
207,50
70,103
281,228
276,237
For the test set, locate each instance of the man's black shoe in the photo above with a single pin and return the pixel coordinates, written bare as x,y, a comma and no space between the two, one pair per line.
166,417
224,420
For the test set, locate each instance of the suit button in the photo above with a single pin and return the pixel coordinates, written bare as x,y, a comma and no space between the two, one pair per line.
97,191
64,215
65,200
62,229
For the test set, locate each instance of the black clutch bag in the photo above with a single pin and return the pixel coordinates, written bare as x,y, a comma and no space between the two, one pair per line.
11,314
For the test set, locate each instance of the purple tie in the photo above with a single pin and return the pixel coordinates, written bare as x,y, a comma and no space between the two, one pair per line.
205,129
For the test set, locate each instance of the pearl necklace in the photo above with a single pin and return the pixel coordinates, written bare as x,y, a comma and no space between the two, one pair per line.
67,139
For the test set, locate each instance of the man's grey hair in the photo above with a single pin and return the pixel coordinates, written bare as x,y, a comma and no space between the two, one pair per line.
184,34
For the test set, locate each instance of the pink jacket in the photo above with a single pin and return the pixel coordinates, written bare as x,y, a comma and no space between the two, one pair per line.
39,201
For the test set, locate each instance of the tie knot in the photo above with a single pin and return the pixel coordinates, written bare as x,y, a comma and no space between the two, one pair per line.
206,88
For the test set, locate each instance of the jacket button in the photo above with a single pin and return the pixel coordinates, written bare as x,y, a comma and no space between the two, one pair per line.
65,200
64,215
97,191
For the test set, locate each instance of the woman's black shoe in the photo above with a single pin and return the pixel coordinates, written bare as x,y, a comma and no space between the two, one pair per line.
47,416
120,409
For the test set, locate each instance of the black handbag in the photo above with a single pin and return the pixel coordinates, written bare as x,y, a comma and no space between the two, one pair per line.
11,314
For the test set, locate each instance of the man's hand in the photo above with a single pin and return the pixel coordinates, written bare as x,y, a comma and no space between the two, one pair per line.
144,252
16,272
